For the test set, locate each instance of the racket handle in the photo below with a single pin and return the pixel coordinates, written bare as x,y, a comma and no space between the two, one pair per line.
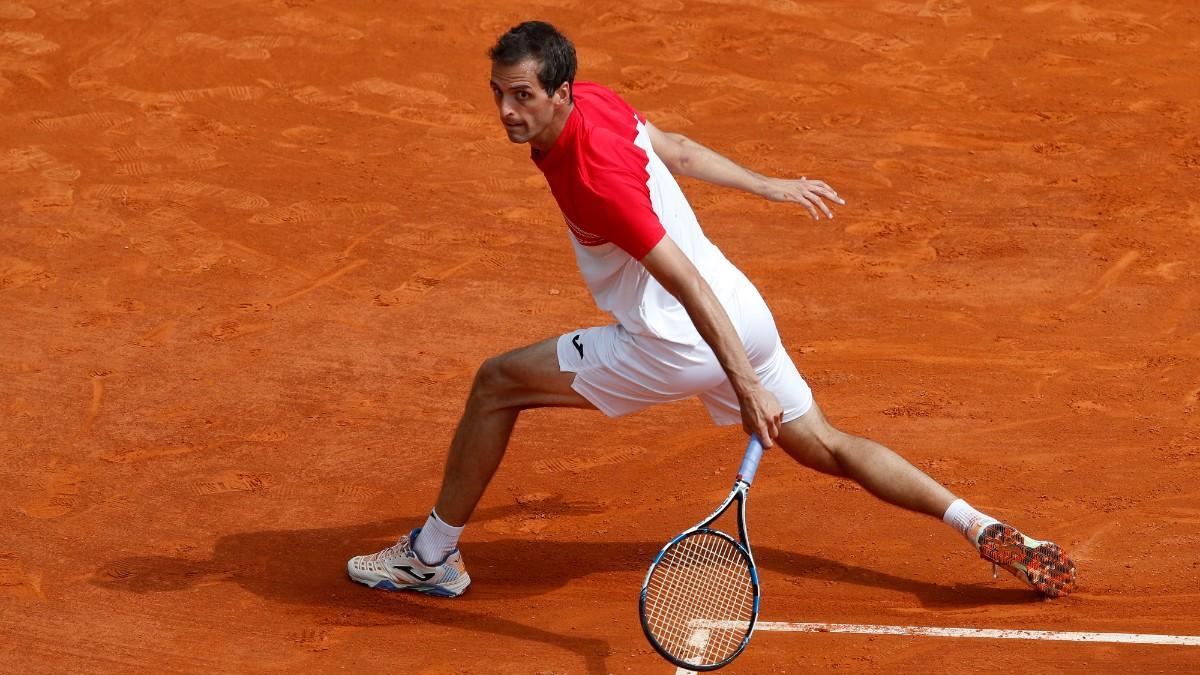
750,460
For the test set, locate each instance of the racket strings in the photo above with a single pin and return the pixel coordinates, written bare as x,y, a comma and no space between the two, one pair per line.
700,599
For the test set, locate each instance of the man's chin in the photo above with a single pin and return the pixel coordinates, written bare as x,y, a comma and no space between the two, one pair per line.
517,136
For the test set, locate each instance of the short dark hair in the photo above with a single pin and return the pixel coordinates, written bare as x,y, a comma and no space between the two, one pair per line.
538,40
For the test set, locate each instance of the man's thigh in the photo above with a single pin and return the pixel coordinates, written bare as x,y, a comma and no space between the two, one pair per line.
529,377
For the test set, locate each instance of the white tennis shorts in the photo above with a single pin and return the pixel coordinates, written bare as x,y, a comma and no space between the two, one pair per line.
621,373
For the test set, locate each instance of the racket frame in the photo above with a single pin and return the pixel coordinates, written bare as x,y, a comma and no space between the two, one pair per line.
740,492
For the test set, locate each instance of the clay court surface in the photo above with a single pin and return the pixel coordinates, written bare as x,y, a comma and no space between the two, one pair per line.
251,254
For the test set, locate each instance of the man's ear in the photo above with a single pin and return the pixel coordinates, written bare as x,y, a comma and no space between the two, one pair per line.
563,95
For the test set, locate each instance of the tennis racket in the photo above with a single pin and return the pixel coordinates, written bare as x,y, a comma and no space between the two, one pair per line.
700,598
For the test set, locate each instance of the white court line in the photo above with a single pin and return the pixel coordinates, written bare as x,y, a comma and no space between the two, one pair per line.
991,633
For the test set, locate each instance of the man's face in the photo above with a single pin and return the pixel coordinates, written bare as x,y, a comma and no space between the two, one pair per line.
525,108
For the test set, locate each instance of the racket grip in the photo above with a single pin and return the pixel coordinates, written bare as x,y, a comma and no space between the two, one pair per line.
750,461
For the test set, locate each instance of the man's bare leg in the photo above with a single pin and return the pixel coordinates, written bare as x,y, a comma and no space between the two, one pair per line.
504,386
815,443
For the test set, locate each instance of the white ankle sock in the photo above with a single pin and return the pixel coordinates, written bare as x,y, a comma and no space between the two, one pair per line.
436,540
963,517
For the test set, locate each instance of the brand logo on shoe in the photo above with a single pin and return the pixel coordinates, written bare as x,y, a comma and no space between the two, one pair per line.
578,345
414,574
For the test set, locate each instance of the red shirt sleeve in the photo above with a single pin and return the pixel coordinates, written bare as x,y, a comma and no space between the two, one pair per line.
614,197
619,210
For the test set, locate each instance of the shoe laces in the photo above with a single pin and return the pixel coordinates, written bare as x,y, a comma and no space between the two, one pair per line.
400,549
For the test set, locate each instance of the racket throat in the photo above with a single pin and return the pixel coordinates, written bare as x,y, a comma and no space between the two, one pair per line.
743,530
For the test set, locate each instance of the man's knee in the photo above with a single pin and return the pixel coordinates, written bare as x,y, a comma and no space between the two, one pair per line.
495,381
829,438
813,441
814,429
524,378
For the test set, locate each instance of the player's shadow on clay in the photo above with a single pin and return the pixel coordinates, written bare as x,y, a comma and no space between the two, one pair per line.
308,567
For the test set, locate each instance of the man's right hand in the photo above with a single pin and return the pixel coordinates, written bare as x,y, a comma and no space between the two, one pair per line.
762,415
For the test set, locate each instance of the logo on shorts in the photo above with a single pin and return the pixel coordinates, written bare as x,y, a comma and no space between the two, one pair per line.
578,345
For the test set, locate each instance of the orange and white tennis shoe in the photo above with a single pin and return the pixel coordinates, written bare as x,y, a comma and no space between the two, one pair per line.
1041,564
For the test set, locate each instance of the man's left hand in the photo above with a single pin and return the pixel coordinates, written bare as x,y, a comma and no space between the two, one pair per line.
807,193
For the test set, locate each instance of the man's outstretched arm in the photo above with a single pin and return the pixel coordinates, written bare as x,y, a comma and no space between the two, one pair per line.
686,157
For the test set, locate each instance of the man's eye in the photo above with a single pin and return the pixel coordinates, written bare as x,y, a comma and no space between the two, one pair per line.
522,95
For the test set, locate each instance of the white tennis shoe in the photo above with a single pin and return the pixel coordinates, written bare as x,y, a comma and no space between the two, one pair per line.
397,568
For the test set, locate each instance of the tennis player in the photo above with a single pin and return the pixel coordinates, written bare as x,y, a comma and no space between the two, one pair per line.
687,323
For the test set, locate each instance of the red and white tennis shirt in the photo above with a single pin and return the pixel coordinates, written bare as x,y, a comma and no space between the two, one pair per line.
619,200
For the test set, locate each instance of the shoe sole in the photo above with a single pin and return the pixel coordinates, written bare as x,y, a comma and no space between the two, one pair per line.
1045,567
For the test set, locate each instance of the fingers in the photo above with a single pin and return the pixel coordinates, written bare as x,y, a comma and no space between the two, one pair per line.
821,187
764,439
764,434
766,428
812,203
821,204
804,202
762,415
808,194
